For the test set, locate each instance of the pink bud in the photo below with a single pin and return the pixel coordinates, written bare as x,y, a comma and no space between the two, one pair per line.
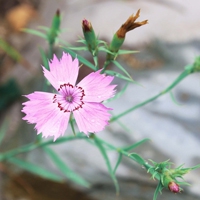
173,187
86,25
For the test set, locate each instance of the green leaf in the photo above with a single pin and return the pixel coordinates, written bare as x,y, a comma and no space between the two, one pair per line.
121,68
158,190
173,99
101,48
195,167
3,129
35,169
118,162
79,48
121,51
105,156
80,58
118,75
44,28
82,41
35,32
65,169
137,158
44,59
9,50
72,121
135,145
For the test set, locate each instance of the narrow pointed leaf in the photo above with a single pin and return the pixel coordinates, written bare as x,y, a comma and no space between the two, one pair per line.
121,68
101,48
105,156
35,32
137,158
79,48
35,169
118,75
173,99
80,58
65,169
118,162
44,28
44,59
135,145
9,50
126,52
72,121
158,190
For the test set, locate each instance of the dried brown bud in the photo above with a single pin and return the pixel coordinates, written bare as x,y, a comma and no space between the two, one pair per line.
130,24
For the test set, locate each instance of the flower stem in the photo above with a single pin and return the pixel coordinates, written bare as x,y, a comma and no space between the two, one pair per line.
32,146
183,75
50,53
95,58
138,159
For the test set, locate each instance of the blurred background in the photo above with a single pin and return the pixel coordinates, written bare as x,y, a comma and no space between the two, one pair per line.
169,42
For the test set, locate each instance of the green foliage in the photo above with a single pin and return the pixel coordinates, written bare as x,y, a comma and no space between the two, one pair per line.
71,175
3,129
10,92
105,156
10,51
35,169
80,58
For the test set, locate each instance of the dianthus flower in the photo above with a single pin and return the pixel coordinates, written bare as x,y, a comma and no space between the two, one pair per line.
51,111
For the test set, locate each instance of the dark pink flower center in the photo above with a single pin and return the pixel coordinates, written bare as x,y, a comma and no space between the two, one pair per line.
70,97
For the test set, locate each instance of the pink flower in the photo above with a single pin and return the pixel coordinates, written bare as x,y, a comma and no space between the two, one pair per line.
51,112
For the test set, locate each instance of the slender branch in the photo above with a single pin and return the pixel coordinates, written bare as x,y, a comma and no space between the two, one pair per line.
183,75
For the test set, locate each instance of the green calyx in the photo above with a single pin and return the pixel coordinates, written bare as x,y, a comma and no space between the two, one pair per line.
196,64
114,47
116,43
55,28
90,37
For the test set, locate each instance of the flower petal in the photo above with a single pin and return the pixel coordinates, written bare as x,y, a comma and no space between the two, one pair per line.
63,71
96,87
92,117
49,119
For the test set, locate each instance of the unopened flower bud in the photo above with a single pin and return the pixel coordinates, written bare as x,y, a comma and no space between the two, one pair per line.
174,187
89,36
197,64
55,28
86,25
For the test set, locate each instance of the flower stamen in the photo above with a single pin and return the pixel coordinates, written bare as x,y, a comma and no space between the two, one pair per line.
71,97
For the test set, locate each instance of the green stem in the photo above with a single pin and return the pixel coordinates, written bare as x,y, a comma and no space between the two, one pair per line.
32,146
133,156
50,53
179,78
96,62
